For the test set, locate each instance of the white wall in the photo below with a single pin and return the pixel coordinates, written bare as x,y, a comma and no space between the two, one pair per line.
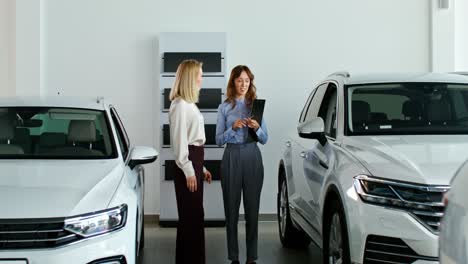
461,35
442,37
29,57
4,47
108,47
7,47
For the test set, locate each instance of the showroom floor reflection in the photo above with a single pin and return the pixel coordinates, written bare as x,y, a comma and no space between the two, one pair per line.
160,246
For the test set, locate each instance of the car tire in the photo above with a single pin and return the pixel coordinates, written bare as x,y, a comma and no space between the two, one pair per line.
335,239
290,236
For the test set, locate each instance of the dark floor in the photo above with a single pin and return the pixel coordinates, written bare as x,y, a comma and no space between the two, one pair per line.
160,246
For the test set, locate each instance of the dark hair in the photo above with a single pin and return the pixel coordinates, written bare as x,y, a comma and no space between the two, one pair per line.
231,87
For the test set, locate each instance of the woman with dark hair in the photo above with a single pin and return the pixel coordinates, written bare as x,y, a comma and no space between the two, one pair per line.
242,165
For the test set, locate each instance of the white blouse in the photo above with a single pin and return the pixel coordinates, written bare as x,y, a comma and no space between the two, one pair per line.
186,128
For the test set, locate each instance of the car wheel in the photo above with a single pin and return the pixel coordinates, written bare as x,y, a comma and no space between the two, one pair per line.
336,243
290,236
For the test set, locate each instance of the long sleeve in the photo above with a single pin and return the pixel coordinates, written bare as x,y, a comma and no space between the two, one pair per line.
179,138
262,133
223,133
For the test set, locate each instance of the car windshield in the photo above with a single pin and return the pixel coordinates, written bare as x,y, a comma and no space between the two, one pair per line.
54,133
407,108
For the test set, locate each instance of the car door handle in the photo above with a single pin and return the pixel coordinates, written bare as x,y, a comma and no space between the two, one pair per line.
323,164
288,144
303,155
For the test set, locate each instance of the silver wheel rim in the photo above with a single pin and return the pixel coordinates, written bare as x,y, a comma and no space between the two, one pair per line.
283,209
335,241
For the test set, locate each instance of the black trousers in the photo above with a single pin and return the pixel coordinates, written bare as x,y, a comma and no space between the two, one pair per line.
190,243
242,179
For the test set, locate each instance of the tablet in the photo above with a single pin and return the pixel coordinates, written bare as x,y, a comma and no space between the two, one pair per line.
258,106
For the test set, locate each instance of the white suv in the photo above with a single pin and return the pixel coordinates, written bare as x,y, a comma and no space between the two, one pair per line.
364,174
71,185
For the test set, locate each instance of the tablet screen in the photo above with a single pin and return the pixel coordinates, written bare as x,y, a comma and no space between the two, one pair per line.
257,110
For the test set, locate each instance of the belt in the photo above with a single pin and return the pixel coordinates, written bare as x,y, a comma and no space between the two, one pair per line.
241,145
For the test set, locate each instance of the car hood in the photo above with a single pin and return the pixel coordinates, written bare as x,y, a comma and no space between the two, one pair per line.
425,159
56,188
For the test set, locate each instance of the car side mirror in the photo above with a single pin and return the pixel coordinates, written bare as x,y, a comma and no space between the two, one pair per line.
142,155
313,129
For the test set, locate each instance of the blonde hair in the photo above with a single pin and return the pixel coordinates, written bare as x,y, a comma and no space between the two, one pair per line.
185,84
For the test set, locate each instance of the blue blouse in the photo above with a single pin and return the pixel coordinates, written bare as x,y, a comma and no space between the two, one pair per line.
226,118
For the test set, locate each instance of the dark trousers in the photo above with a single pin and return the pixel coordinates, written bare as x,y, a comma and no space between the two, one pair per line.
242,175
190,244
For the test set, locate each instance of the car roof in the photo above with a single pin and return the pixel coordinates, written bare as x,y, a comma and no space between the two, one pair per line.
96,103
402,77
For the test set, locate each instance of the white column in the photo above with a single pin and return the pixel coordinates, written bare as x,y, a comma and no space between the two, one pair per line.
6,44
29,47
12,48
4,48
43,44
442,36
461,35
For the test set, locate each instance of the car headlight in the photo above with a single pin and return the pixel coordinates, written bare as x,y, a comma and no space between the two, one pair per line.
423,202
98,223
398,194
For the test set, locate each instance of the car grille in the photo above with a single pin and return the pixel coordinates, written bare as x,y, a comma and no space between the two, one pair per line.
385,250
34,234
427,207
431,218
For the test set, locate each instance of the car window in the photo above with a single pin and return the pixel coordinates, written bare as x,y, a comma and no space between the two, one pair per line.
122,136
313,107
327,110
407,108
55,133
307,105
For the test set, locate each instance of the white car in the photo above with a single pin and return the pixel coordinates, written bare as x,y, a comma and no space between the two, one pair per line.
454,228
71,184
365,172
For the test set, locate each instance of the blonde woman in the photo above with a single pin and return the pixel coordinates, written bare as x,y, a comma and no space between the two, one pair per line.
187,138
